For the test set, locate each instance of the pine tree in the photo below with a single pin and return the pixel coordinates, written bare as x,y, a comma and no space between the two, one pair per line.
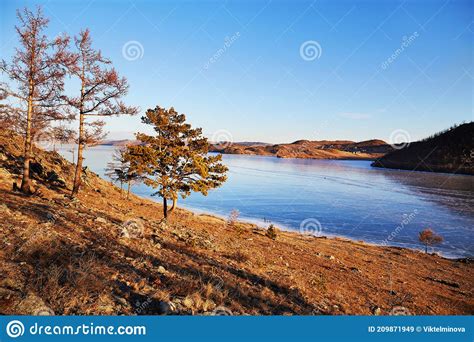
175,161
118,170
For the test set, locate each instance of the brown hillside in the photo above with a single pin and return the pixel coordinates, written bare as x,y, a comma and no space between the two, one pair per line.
449,151
324,149
91,256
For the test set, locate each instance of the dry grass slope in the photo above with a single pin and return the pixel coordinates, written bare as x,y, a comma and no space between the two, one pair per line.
65,256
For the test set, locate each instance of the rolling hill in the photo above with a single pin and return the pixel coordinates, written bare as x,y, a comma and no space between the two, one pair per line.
306,149
449,151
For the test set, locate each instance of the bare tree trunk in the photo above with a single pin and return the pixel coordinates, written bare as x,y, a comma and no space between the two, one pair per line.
26,181
26,186
128,189
78,173
80,147
165,208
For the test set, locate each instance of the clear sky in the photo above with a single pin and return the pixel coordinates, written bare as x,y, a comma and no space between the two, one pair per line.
242,66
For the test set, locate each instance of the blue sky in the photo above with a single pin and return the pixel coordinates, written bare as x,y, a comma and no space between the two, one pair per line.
261,85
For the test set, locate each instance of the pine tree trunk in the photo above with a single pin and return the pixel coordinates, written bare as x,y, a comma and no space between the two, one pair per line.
175,200
128,189
26,181
80,148
165,208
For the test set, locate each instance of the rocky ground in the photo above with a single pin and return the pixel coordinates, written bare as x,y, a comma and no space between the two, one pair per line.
102,253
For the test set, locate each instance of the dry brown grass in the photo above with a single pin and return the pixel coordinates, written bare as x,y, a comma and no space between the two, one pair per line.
80,266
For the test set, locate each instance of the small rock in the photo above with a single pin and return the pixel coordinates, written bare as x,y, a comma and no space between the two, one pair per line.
156,240
221,311
166,308
162,270
100,220
121,300
377,311
355,270
44,311
33,305
163,225
50,217
4,209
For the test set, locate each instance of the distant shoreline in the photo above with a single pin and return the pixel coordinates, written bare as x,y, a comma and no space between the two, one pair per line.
306,149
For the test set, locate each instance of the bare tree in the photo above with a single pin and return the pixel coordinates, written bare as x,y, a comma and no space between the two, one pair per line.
36,74
61,134
9,116
100,94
